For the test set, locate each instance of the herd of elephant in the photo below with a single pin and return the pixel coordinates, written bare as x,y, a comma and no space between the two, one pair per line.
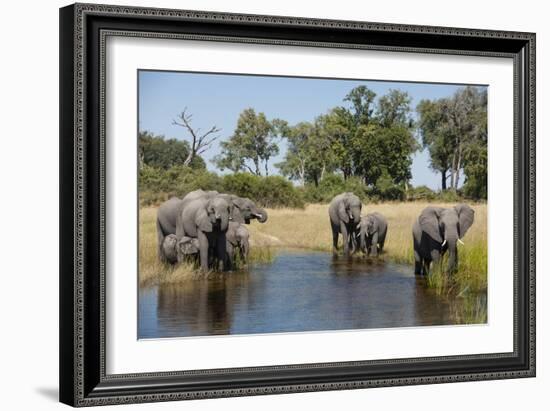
210,226
436,231
206,225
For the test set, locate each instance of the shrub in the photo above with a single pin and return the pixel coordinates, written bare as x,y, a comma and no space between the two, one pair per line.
420,193
332,185
450,196
386,189
271,191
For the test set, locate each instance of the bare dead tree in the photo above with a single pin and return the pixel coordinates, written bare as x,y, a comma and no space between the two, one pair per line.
199,142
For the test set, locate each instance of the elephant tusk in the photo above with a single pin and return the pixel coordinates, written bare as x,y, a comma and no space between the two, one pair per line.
258,215
444,242
460,241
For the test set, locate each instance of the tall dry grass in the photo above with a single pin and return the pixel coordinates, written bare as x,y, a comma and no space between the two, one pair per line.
309,229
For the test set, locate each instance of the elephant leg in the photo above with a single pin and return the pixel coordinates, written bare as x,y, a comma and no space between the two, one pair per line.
351,243
221,251
417,263
203,250
160,242
230,253
344,231
334,241
381,244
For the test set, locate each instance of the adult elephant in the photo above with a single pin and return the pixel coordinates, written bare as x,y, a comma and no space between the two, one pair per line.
243,210
345,215
207,220
372,233
438,230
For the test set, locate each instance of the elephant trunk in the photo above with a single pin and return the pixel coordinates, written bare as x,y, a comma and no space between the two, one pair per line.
245,249
363,240
356,213
224,222
453,255
261,215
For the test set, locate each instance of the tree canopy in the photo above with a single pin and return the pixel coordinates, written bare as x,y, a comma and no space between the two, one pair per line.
156,151
454,130
252,144
364,140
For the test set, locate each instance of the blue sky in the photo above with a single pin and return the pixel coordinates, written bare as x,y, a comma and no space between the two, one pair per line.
218,99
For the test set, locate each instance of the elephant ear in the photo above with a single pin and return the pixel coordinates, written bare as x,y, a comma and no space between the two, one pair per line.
429,222
236,212
465,218
342,213
202,221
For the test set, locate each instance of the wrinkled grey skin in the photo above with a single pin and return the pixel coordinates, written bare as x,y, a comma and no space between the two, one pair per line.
372,233
169,248
187,249
345,215
237,238
436,231
207,220
177,251
243,210
166,223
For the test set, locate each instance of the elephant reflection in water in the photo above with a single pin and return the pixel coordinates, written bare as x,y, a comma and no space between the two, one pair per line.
201,308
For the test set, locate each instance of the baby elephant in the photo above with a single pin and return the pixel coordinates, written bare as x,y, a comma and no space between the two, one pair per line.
237,240
372,233
176,251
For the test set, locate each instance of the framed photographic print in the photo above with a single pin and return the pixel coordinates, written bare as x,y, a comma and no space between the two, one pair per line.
262,204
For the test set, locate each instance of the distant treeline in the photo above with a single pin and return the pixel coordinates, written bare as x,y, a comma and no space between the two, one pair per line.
158,184
362,147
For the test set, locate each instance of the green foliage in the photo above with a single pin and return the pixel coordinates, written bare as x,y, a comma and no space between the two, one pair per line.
362,102
252,144
332,185
156,151
420,193
157,185
270,191
475,169
454,130
309,155
387,189
361,141
394,109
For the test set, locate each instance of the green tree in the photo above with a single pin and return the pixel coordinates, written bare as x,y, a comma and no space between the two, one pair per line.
394,109
156,151
252,144
362,104
454,130
439,143
309,155
338,126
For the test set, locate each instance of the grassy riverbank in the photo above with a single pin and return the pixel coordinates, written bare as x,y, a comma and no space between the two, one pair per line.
152,271
309,229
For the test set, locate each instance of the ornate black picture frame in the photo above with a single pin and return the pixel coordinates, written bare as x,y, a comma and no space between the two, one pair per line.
83,30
